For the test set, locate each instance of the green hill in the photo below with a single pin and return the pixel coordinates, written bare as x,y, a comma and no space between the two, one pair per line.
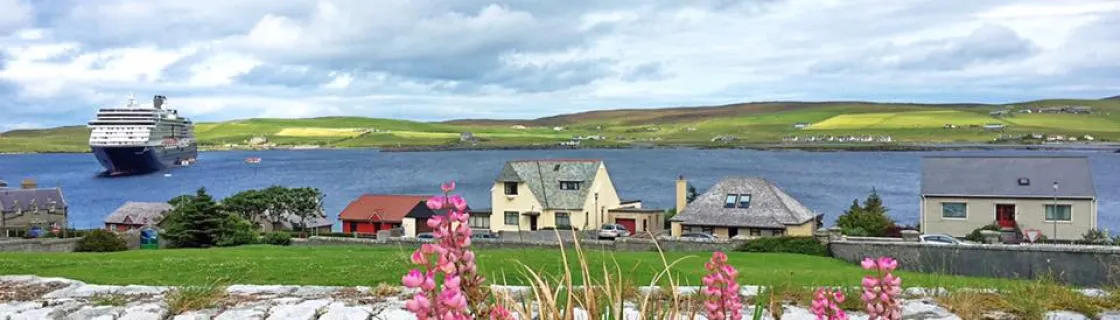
750,123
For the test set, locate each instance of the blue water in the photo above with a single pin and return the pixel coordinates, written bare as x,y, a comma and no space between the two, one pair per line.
826,182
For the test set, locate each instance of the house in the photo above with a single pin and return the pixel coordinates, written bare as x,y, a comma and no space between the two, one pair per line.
467,137
535,194
416,221
742,207
1048,193
557,128
801,125
371,213
293,222
994,126
518,127
30,207
136,215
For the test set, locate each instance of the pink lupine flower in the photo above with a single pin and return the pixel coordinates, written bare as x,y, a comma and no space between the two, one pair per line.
826,305
500,313
721,289
881,290
461,294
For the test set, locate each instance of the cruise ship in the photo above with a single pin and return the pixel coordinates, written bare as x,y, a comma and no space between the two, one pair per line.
137,139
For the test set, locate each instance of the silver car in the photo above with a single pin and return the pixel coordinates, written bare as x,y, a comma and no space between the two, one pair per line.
612,231
944,239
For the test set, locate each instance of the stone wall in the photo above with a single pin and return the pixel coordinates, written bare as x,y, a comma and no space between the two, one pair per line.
1093,266
624,244
39,245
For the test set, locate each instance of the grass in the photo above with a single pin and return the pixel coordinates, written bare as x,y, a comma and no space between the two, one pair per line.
195,297
754,123
367,266
1028,300
113,300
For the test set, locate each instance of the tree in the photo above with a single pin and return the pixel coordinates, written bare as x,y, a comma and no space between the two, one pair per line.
194,222
250,205
691,194
870,219
305,203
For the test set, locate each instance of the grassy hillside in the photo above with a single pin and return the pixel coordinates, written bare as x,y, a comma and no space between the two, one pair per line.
750,123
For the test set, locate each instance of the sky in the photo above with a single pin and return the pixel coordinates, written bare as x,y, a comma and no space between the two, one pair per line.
433,60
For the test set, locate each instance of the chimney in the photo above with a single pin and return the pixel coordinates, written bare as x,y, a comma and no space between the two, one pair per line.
157,101
682,193
28,184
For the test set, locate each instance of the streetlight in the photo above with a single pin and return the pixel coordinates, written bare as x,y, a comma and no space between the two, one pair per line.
1055,211
601,219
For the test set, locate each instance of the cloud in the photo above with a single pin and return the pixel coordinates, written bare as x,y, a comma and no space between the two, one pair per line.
438,60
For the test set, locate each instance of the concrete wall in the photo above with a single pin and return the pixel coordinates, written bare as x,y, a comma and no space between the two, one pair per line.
626,244
1092,266
1029,213
39,245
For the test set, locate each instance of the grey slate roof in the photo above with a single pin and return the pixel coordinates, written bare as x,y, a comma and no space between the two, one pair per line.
291,221
770,207
27,199
543,178
139,213
999,176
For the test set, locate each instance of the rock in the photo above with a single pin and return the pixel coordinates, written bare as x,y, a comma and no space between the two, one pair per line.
924,292
260,290
1064,315
81,291
196,315
749,291
339,311
285,300
315,291
253,313
148,311
797,313
925,310
142,290
395,314
1113,315
18,279
306,310
12,308
1095,293
33,314
96,313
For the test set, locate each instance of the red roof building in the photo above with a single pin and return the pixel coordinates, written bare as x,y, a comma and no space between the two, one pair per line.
371,213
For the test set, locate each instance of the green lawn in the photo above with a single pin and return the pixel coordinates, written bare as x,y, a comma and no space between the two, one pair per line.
354,266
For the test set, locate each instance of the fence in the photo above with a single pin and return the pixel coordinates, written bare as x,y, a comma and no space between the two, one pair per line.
39,245
621,244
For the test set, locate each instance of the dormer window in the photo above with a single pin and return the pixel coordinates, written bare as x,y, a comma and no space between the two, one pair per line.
511,188
731,200
569,185
744,201
1024,182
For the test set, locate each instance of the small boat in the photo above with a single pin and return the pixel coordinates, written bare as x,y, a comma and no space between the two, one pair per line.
253,160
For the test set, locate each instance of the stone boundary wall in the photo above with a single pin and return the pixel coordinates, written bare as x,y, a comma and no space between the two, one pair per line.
1091,266
624,244
38,245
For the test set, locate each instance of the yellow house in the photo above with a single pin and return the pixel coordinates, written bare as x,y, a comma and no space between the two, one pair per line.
534,194
749,207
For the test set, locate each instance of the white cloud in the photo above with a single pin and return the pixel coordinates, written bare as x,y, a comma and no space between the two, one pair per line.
434,59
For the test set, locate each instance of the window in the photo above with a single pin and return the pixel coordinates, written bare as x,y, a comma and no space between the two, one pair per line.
731,199
707,230
569,185
954,210
1063,212
511,218
756,233
478,221
744,201
511,188
353,226
779,233
562,220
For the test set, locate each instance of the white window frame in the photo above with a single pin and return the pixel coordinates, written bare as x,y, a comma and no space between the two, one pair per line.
1047,205
965,217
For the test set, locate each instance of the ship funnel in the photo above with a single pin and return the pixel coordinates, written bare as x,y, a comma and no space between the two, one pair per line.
157,102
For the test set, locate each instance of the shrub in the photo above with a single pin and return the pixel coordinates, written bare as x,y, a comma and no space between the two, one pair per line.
1096,236
278,238
236,231
800,245
975,235
101,241
871,217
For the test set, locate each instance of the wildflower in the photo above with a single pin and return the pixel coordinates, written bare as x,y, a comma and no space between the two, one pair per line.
881,290
826,305
721,289
461,295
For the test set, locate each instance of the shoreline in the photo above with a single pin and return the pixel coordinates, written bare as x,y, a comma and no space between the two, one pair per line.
758,147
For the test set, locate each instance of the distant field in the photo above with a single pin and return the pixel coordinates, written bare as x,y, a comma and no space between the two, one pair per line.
750,123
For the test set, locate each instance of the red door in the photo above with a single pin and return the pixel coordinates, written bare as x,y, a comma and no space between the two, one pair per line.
1005,215
628,223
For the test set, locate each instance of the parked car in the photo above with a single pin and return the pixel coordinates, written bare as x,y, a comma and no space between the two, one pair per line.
698,235
425,235
612,231
483,234
944,239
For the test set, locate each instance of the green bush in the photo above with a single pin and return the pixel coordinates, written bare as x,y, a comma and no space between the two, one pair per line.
278,238
975,235
101,241
237,231
800,245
